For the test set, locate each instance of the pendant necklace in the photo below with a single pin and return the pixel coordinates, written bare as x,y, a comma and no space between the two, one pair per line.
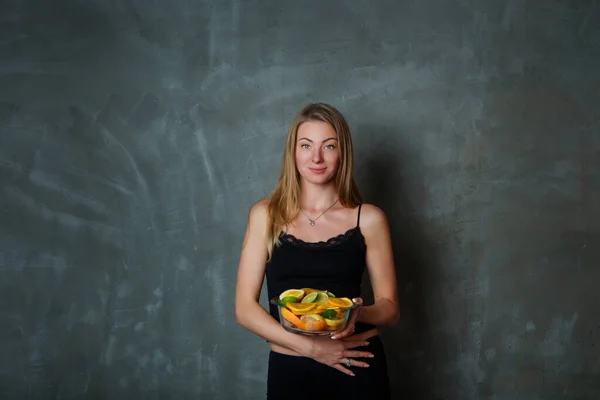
312,221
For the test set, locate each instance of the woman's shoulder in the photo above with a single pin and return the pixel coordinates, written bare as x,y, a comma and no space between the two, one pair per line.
372,216
259,211
260,206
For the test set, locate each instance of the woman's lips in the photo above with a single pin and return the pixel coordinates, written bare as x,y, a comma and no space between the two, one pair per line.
317,170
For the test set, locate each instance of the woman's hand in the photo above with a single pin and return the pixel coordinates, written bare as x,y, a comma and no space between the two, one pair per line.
349,329
338,354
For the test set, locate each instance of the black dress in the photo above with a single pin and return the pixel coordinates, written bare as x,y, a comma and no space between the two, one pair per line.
336,265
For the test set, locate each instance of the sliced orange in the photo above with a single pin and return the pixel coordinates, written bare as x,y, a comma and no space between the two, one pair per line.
310,290
342,302
314,322
287,314
300,308
312,318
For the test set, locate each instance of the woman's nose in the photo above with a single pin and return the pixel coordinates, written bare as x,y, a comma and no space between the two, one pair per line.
317,156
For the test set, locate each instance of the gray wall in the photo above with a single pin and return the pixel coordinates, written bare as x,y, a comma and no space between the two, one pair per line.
135,135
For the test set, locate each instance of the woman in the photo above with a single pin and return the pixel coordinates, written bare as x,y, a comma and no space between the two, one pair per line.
314,232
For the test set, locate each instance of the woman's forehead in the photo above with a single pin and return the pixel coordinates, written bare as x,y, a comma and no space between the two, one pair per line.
316,130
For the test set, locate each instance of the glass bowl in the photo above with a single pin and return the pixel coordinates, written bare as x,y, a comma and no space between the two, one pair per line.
312,312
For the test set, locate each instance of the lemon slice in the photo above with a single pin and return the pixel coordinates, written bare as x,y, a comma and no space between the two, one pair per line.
343,302
334,323
297,293
301,308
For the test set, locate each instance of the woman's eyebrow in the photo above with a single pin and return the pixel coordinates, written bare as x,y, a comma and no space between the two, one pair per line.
330,138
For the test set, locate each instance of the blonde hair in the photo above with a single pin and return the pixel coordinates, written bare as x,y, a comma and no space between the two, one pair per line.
284,199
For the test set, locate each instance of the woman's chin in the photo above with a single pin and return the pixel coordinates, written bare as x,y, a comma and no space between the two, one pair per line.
318,180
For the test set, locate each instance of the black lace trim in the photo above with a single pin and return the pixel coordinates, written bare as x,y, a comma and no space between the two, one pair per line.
342,237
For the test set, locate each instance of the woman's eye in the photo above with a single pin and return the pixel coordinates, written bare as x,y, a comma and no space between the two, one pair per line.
330,146
304,145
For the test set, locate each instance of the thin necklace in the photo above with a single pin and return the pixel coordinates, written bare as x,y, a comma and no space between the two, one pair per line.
312,221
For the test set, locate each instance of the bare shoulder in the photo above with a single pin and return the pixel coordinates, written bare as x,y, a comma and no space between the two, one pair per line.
260,208
372,216
256,227
258,215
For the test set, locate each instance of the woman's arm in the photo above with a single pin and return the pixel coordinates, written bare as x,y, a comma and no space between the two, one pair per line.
248,312
381,269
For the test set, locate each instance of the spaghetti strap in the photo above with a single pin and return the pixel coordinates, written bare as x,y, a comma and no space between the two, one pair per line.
358,217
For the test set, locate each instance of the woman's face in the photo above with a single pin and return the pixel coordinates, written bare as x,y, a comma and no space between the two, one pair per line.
317,155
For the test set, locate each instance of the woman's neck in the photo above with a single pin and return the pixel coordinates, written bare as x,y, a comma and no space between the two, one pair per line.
317,197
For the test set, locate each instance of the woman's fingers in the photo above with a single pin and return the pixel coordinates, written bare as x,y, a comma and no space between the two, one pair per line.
342,366
361,364
346,332
350,344
358,354
356,311
349,330
343,369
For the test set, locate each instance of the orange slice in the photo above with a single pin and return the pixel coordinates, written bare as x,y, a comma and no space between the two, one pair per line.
310,290
342,302
314,322
287,314
300,308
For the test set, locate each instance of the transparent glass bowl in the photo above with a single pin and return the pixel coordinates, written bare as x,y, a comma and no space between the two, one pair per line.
316,315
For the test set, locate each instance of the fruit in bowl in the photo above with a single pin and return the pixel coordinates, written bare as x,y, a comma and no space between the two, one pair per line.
312,311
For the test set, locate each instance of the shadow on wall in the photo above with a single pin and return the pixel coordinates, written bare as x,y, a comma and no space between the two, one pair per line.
388,175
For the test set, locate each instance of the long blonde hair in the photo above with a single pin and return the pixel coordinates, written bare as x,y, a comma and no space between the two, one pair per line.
284,199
